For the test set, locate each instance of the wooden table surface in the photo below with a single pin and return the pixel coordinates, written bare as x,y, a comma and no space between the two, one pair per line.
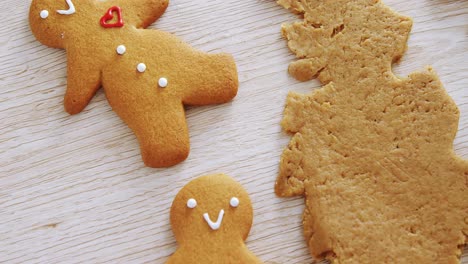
73,189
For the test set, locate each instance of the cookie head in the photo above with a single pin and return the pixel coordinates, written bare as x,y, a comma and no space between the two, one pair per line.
211,208
50,19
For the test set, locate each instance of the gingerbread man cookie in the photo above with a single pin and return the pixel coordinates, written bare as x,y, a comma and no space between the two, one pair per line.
372,152
211,218
148,75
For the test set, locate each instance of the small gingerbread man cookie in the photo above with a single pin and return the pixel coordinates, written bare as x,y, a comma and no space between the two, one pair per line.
211,218
148,75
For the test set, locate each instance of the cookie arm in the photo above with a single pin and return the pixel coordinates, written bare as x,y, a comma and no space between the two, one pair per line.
140,13
212,80
83,82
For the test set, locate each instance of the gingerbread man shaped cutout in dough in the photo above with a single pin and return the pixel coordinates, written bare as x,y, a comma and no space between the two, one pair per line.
372,152
148,75
211,218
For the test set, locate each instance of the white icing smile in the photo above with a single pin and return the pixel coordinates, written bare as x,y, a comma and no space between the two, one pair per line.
214,225
71,9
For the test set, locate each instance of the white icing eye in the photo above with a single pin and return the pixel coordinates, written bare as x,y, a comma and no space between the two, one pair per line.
141,67
163,82
234,202
44,14
191,203
121,49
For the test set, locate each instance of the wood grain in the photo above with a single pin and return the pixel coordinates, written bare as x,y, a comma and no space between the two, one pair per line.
73,189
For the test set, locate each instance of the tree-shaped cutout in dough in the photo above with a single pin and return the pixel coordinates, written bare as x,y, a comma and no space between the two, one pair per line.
372,153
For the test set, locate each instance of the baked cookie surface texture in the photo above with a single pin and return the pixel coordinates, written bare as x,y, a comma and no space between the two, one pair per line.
148,75
211,218
372,153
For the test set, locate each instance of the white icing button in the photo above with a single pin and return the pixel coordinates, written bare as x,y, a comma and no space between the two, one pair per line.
44,14
191,203
121,49
141,67
163,82
234,202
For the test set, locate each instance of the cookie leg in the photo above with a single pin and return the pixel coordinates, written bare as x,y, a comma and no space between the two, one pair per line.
163,135
165,146
158,121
